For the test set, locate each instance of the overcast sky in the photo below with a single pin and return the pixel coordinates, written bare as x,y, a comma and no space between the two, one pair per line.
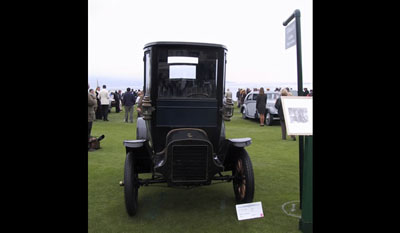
252,31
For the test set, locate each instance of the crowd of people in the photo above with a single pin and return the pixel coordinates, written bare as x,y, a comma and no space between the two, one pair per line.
104,104
100,104
261,103
242,92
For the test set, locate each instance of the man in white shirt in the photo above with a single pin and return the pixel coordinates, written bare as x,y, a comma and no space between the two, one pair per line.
104,100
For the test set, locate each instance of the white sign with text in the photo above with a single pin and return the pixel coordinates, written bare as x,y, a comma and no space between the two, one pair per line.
249,211
290,32
298,114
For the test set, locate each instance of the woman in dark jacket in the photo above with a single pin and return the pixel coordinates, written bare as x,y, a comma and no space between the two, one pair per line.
261,105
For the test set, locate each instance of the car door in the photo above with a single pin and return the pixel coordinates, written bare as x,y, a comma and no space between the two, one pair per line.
251,106
272,108
270,101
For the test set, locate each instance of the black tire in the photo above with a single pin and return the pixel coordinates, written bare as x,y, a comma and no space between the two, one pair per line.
243,182
131,185
268,119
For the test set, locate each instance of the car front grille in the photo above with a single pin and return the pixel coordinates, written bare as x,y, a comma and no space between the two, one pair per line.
189,163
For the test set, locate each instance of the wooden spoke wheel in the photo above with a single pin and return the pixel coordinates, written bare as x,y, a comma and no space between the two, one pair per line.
243,182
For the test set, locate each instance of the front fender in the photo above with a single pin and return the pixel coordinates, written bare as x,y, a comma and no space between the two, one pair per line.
134,143
228,151
140,153
141,130
240,142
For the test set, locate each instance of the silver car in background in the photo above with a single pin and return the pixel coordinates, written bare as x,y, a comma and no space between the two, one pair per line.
249,110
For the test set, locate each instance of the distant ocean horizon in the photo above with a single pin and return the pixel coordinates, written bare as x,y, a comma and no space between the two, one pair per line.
232,86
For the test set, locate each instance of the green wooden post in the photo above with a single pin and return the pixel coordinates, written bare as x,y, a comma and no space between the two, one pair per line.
306,221
296,16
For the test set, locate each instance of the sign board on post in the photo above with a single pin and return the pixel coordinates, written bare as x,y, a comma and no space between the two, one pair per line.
298,113
290,38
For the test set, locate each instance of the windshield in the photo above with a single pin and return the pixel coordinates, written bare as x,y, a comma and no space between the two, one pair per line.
187,73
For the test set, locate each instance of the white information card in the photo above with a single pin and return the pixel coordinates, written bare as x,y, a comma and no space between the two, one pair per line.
298,114
249,211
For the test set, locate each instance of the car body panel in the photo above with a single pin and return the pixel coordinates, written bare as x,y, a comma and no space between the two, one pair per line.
249,105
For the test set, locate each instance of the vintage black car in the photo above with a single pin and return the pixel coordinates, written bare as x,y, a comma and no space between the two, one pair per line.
180,138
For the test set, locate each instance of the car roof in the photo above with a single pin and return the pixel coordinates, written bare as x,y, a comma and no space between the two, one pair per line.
184,43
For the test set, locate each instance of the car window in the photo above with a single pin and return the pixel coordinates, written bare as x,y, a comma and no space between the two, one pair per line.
147,73
255,96
250,97
187,73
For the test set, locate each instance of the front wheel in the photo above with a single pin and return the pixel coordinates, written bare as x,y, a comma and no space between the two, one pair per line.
244,113
131,185
243,181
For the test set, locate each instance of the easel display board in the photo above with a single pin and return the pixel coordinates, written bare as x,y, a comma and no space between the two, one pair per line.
298,113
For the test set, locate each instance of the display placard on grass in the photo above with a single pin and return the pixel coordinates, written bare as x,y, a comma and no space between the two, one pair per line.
249,211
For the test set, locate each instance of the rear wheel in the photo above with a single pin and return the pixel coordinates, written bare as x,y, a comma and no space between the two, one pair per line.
131,185
243,181
268,119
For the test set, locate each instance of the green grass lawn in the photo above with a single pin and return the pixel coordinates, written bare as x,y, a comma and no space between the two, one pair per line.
202,209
